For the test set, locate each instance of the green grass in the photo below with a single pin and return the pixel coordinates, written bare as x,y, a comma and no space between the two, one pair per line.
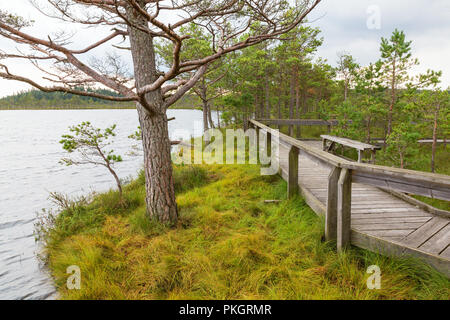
227,244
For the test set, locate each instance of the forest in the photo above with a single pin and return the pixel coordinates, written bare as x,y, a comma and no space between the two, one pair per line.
285,79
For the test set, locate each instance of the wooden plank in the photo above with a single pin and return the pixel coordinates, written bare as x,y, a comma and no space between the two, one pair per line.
388,220
437,243
379,205
389,215
316,205
362,202
293,173
422,234
361,146
420,204
344,200
388,226
392,248
389,233
386,210
446,253
402,184
332,203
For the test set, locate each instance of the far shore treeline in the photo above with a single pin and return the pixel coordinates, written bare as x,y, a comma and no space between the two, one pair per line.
39,100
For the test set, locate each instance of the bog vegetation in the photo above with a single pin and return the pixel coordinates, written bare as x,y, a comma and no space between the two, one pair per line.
227,244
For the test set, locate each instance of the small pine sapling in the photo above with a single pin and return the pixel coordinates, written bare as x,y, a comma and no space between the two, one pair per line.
90,144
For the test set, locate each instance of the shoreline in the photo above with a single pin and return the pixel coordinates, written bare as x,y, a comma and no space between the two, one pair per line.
87,108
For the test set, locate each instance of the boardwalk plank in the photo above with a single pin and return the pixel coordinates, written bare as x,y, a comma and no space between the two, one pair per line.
425,232
437,243
389,233
446,253
385,210
390,215
388,226
400,219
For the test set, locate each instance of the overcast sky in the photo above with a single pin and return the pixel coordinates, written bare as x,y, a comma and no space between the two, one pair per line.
354,26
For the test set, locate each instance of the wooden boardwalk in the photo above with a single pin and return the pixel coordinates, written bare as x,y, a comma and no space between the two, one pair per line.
364,204
377,213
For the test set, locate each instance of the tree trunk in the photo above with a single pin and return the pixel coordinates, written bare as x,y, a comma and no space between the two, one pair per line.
393,98
119,185
433,146
267,96
257,111
261,102
297,106
401,161
279,108
292,101
205,115
210,120
160,193
369,120
345,89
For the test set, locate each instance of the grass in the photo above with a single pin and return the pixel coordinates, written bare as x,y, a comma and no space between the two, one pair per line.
227,244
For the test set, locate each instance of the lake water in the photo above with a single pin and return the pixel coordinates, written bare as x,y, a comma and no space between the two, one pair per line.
30,169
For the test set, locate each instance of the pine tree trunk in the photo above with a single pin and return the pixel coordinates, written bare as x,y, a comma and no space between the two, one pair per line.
433,147
292,101
160,193
210,120
393,98
279,108
297,107
205,115
267,96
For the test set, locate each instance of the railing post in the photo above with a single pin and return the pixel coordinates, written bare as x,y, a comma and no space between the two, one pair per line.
257,145
332,203
344,209
269,143
293,172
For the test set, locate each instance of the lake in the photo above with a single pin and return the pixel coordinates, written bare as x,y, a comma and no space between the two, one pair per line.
30,170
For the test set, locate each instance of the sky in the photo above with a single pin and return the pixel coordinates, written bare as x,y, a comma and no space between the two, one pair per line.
353,26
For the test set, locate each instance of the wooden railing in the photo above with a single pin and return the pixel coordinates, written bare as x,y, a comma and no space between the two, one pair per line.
344,173
291,123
